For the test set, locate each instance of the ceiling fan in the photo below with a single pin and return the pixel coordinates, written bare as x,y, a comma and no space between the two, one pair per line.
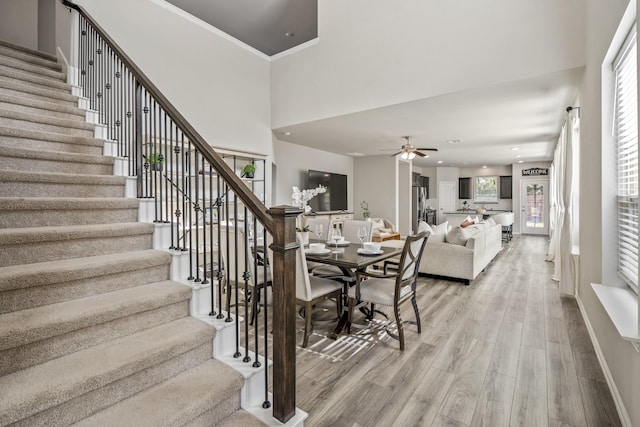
408,151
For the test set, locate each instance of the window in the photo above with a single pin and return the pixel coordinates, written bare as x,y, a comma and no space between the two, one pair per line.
485,189
625,128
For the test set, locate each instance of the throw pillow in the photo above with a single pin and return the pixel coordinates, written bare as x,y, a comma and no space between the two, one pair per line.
466,223
376,223
439,232
423,226
459,236
490,221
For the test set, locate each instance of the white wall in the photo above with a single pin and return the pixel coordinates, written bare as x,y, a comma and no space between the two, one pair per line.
294,161
622,360
220,87
375,183
374,54
19,22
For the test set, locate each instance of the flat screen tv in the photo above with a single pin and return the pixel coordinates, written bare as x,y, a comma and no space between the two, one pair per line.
335,199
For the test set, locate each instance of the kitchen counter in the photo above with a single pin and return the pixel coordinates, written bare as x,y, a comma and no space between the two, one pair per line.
456,218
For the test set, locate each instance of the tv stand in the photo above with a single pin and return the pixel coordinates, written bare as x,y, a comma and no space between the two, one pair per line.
336,218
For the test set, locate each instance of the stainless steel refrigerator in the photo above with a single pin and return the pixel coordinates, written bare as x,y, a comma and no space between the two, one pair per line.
419,197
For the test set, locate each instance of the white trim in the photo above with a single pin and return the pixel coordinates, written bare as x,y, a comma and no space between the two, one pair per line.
617,399
209,27
622,307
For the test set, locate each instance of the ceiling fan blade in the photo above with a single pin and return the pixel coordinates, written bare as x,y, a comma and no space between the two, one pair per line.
427,149
420,154
395,154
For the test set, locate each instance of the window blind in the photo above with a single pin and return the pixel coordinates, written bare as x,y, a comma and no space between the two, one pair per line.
626,136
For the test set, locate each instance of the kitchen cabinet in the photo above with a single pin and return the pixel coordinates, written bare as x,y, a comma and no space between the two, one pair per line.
465,190
505,187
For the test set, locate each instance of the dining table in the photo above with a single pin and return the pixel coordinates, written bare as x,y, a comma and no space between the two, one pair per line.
350,258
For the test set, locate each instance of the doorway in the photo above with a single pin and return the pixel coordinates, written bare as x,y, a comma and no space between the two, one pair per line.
446,199
534,206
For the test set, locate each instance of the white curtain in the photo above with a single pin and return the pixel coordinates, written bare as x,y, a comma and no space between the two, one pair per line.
561,245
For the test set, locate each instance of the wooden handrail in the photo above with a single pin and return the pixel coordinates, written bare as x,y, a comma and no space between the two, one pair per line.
237,185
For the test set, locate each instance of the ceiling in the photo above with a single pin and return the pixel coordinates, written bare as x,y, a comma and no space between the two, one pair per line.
492,126
270,26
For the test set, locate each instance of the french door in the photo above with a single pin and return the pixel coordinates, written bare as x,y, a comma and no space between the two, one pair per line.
534,206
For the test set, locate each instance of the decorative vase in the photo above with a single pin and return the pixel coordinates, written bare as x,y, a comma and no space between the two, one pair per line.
305,236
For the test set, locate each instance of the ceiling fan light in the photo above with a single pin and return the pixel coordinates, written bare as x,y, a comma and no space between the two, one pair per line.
405,156
411,155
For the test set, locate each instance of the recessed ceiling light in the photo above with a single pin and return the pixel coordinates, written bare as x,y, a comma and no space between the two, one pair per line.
515,149
440,161
289,34
484,167
355,154
518,156
286,133
520,161
453,141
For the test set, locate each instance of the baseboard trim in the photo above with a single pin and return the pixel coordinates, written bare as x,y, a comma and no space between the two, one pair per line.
617,399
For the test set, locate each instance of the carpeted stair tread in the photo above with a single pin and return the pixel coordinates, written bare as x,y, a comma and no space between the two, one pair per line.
7,175
241,418
51,272
21,120
28,55
35,324
35,106
66,203
12,65
35,92
30,235
26,74
28,153
43,386
48,136
178,401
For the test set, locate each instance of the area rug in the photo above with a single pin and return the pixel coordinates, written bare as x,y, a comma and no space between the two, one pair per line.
347,345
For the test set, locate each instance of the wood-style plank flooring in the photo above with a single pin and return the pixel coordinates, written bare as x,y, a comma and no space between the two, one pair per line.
507,350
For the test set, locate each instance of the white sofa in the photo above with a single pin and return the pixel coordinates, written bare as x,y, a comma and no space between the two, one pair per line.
476,247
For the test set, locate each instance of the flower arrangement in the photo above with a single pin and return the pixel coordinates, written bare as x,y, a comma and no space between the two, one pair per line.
300,199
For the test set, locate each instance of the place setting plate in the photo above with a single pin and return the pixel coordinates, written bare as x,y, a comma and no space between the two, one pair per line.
321,252
363,251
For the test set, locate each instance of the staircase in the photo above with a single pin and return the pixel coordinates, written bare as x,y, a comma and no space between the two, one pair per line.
92,331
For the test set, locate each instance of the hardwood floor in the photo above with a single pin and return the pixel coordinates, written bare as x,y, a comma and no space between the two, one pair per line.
507,350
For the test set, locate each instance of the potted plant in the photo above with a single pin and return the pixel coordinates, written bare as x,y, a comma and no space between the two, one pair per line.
249,170
155,161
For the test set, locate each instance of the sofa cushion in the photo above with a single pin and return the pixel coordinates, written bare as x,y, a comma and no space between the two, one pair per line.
490,221
466,223
423,226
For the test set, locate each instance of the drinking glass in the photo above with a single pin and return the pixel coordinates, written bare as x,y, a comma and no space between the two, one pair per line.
318,229
336,235
362,235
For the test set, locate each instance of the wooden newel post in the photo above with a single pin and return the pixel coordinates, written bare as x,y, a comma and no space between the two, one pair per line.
284,311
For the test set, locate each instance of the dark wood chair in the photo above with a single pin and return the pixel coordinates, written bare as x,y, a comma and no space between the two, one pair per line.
392,289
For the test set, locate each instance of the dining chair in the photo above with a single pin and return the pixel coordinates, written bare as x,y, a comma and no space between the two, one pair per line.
350,229
392,289
311,289
241,259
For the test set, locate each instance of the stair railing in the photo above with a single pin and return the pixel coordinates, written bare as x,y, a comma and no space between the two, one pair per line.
212,215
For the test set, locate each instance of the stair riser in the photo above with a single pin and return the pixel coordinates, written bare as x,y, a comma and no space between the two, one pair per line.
37,144
22,299
76,114
29,59
46,218
84,405
18,163
38,94
22,357
28,77
15,254
41,127
39,189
